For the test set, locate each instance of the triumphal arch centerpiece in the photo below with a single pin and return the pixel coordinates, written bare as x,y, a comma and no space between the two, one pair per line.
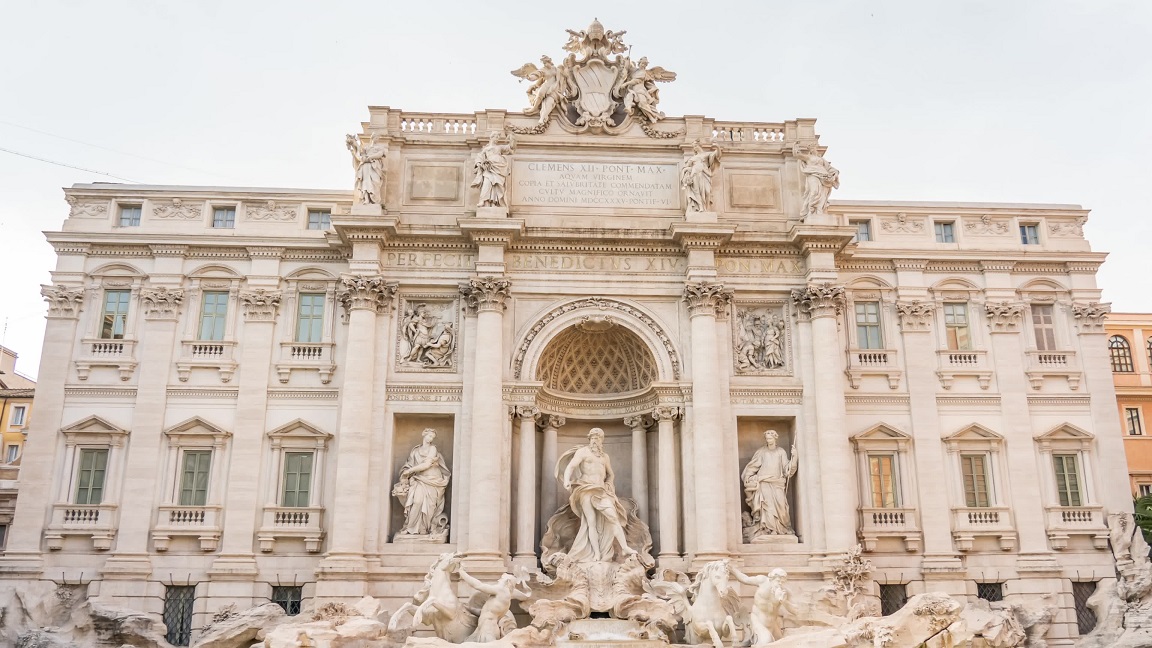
612,373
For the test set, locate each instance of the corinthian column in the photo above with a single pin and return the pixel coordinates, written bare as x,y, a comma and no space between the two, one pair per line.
820,304
367,300
548,456
487,296
704,299
526,487
667,508
639,464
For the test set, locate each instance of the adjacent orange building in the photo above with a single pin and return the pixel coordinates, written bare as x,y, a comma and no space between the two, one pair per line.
1130,350
16,393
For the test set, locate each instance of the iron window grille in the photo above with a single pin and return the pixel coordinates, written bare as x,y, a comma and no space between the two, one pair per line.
178,600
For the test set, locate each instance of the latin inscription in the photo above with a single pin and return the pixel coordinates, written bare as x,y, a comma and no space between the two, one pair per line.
429,260
759,266
596,263
596,184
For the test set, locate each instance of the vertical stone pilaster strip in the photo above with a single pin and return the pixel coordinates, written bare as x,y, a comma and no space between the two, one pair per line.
526,486
667,506
548,457
639,464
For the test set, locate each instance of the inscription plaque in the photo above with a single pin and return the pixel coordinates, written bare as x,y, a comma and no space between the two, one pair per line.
595,184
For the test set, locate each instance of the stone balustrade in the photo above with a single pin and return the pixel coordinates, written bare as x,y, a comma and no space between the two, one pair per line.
287,522
202,522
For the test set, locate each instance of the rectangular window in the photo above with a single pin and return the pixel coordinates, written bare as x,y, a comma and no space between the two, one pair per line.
868,326
319,219
882,469
863,230
1145,489
194,477
1030,234
1085,615
944,233
18,414
974,468
956,326
991,592
297,479
288,597
892,598
115,314
1132,418
90,477
1043,326
310,317
1067,479
224,217
177,617
213,314
10,453
129,215
3,535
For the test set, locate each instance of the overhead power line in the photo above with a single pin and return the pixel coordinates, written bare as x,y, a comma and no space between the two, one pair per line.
70,166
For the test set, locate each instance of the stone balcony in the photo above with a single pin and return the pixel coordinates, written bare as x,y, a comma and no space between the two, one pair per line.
285,522
201,522
968,523
1064,522
207,354
314,356
873,362
107,353
1052,363
900,523
97,521
955,363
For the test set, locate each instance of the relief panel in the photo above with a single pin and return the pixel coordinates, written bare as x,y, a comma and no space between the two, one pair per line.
426,337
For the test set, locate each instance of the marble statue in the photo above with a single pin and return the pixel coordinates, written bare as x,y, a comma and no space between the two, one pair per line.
437,605
588,478
708,605
428,338
369,164
495,619
760,346
769,604
696,177
820,178
640,91
766,488
423,480
548,90
492,166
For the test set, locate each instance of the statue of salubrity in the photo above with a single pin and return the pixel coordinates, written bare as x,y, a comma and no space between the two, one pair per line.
423,481
765,481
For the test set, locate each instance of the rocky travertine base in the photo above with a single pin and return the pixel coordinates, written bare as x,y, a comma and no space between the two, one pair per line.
41,614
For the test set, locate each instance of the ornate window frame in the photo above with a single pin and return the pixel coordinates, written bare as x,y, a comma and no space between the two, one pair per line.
954,363
97,521
313,356
306,523
995,520
899,521
1065,521
1062,360
878,362
99,352
203,521
212,354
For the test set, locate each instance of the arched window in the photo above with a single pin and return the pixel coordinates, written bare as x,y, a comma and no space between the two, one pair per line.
1120,353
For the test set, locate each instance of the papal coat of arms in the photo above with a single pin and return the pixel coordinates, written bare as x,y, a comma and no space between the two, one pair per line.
596,88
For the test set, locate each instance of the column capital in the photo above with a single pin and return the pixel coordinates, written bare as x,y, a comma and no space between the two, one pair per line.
667,413
914,315
554,421
526,412
161,303
1004,317
260,304
636,422
486,293
819,299
706,298
1090,316
365,292
64,302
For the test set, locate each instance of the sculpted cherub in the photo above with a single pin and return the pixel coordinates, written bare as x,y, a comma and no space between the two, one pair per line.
548,90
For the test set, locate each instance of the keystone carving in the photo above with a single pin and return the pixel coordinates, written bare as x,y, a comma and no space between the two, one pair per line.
1004,316
62,301
162,302
365,292
705,298
819,300
260,304
914,315
1090,316
486,294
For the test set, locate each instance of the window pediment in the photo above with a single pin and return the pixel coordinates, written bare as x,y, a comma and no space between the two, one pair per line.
299,434
1065,437
94,430
882,436
974,435
196,430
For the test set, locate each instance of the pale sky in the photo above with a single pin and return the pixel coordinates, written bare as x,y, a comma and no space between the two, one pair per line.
1042,101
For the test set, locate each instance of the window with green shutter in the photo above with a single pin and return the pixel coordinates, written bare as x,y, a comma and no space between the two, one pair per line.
975,472
115,318
868,326
297,479
310,317
1067,479
213,313
90,479
194,477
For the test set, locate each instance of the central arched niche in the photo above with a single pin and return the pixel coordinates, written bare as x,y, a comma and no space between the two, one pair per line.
596,357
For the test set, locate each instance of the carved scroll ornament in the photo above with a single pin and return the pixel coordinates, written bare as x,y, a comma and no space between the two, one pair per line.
1090,316
161,302
486,294
1004,316
365,292
62,300
914,315
260,304
819,300
706,298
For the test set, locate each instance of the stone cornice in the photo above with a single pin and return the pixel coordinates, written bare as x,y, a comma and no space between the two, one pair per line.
701,236
492,231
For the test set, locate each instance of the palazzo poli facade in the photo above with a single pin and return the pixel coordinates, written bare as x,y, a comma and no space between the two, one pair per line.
237,382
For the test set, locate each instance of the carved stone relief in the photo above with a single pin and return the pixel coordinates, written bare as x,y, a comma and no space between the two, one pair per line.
260,304
1073,229
420,488
819,300
162,302
369,292
86,209
62,301
760,339
914,315
901,225
1004,316
427,334
1090,316
986,226
270,211
178,209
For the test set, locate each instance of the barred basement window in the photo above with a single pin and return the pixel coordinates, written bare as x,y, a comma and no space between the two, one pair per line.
991,592
892,598
178,600
1085,616
288,597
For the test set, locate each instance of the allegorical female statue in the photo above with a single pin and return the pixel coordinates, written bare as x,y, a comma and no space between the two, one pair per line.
492,166
766,488
696,177
369,164
423,481
820,178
